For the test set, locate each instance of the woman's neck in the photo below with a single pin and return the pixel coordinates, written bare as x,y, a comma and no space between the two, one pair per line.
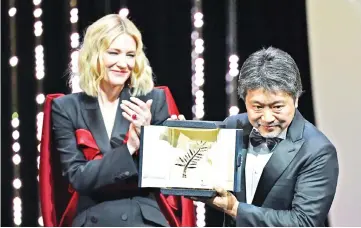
109,94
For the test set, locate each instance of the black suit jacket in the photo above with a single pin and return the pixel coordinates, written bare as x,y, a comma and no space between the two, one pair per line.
94,179
298,183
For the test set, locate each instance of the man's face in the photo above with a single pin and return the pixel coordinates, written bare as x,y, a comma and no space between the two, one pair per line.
270,111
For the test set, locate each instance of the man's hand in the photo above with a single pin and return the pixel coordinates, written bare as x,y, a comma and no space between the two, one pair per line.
224,201
175,117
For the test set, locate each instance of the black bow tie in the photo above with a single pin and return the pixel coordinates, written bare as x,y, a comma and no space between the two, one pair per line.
257,139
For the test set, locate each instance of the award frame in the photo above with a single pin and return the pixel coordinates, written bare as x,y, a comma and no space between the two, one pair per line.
208,127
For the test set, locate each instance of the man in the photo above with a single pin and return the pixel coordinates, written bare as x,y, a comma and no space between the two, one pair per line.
290,168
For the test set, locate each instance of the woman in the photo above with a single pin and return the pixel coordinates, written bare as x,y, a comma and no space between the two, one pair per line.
117,99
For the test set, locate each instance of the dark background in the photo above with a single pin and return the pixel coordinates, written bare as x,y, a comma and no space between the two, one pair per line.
166,28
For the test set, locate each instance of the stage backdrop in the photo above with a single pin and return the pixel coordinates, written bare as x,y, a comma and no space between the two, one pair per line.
334,28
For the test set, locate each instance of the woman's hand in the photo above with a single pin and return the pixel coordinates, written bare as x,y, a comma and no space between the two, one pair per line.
137,112
133,142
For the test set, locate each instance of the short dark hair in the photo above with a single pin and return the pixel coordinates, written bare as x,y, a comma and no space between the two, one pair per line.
271,69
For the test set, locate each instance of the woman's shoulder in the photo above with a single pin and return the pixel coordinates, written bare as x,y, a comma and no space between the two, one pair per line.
158,92
72,99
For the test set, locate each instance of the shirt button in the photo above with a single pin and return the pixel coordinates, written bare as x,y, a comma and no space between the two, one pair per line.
93,219
124,217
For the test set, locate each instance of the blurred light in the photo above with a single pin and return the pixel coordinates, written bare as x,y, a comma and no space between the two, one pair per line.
36,2
198,16
231,50
16,147
75,85
197,61
233,58
194,35
40,116
74,19
13,61
16,159
39,48
198,24
38,25
74,12
17,221
16,135
234,72
40,98
124,12
17,210
38,32
199,42
201,223
233,110
40,221
38,12
201,217
74,36
12,11
201,211
15,122
17,200
17,183
40,75
39,68
199,93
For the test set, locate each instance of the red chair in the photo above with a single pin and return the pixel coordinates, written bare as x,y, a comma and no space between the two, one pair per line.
58,202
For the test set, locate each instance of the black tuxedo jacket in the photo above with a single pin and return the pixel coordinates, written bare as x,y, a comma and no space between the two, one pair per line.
298,183
93,179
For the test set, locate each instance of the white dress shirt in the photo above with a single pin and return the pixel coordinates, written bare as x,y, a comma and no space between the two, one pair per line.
257,158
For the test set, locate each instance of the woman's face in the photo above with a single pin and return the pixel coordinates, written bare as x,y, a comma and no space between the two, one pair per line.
119,61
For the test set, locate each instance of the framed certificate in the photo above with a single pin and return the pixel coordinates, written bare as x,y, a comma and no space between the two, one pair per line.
190,158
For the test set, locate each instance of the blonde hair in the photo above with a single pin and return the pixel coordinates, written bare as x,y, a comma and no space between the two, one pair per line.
97,39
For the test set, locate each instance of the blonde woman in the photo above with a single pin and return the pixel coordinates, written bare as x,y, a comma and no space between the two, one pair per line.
117,98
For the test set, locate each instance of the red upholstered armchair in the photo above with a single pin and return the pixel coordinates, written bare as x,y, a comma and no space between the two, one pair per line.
58,201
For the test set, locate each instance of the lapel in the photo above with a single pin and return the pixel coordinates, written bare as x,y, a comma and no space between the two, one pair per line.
280,159
121,125
247,127
93,119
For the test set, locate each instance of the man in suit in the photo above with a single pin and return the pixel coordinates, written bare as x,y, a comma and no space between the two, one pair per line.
290,168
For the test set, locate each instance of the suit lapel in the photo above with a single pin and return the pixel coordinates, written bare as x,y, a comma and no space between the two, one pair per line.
280,159
121,125
94,120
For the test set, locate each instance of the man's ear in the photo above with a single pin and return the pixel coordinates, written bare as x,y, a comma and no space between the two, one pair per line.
296,103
